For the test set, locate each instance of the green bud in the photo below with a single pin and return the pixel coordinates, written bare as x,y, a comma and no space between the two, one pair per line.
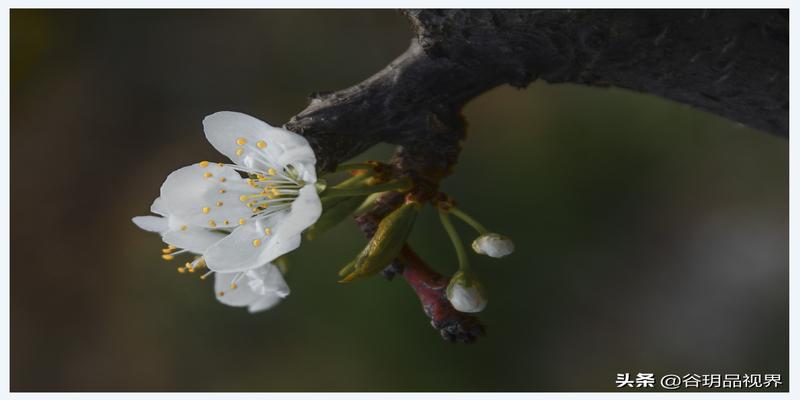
386,244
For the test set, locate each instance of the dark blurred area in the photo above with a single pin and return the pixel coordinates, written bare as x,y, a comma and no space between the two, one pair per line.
650,237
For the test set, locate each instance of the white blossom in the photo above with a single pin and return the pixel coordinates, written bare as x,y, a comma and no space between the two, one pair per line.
493,245
466,294
258,289
264,200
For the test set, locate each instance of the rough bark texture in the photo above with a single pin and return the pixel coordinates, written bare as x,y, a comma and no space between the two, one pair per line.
734,63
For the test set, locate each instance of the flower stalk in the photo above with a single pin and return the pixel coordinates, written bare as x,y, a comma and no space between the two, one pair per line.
469,220
400,184
461,252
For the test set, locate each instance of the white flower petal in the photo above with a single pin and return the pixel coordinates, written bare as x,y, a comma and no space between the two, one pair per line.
194,239
305,210
259,288
238,135
466,299
151,223
240,251
158,207
264,303
206,200
493,245
237,252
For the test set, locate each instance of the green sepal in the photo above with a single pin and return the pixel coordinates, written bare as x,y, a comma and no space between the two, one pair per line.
347,268
386,243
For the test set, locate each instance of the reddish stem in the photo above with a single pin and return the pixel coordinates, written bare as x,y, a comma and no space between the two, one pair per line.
431,289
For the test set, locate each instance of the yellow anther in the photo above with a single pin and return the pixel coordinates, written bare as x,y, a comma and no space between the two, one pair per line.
167,256
256,243
234,286
188,265
219,164
249,205
202,277
241,221
226,222
261,144
221,294
191,270
166,251
239,151
207,175
272,171
206,210
203,164
181,270
222,191
267,231
222,179
243,198
212,224
184,227
240,141
219,204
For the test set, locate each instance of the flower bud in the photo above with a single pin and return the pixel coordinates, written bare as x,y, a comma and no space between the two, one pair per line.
466,293
493,245
386,243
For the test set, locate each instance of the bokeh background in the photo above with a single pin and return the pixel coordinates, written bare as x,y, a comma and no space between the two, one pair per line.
650,237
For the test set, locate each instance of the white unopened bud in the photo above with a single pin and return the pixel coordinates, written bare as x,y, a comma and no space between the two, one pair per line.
466,294
493,245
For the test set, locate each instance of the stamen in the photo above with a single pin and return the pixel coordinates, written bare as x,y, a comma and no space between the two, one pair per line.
226,222
222,191
261,144
256,243
203,164
206,210
222,179
236,279
219,204
204,276
241,221
239,151
241,141
267,231
207,175
184,227
212,224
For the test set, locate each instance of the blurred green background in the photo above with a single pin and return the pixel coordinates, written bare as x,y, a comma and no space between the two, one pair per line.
650,237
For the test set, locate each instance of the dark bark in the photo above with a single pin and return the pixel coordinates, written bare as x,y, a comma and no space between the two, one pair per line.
731,63
734,63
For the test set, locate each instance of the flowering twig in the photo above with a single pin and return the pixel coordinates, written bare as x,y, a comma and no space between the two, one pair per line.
429,285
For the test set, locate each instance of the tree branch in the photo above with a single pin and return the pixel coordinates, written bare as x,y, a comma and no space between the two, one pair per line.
733,63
